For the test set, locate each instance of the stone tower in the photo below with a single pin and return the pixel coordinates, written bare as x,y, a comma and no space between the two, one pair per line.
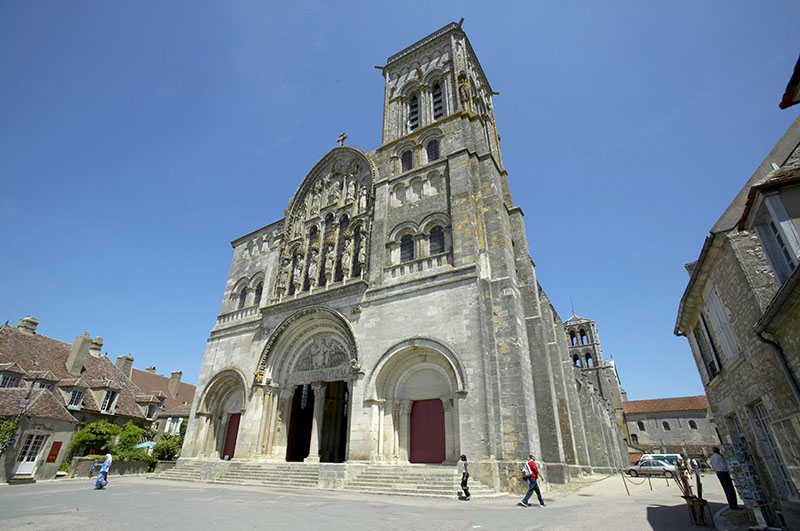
393,316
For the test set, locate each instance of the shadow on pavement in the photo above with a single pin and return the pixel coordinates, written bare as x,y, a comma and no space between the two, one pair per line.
673,517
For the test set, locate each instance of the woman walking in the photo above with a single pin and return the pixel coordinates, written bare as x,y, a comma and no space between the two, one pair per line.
464,477
102,476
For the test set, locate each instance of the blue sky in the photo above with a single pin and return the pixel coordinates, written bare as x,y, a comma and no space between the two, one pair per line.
139,138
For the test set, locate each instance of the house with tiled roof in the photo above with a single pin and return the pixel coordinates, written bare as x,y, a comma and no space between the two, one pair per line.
54,387
680,425
172,398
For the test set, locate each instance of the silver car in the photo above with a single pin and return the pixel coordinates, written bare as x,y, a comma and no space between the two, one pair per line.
651,467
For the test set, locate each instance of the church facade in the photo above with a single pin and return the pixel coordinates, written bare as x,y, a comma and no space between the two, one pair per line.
394,316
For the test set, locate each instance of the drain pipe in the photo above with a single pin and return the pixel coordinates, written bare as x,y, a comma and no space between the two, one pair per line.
782,360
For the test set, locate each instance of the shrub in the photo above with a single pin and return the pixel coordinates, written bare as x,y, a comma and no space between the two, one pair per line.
64,467
129,437
167,448
95,436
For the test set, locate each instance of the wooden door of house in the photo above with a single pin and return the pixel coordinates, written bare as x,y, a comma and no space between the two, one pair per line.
230,436
427,432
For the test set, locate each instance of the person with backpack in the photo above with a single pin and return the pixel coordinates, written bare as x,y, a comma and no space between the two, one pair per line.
531,472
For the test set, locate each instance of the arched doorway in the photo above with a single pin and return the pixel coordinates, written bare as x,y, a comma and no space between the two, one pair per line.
312,359
415,389
221,410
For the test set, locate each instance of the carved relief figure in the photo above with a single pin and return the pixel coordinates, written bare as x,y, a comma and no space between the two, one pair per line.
362,199
316,198
312,268
351,189
362,251
297,274
335,192
346,258
283,276
330,259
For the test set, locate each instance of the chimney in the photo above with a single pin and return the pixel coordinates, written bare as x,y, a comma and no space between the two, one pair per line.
27,325
125,364
174,382
80,348
94,348
151,369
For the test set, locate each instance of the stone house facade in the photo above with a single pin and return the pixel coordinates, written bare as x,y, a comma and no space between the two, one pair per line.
394,314
740,316
55,388
680,425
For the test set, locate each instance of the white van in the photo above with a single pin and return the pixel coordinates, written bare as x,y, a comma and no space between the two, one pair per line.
668,458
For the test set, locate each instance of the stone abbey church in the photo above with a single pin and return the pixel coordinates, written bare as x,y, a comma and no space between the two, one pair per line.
393,317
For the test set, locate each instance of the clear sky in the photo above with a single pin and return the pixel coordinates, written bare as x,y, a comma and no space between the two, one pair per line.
137,139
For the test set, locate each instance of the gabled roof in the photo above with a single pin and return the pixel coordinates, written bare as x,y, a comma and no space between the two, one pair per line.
45,376
661,405
576,319
157,385
12,367
41,403
35,352
180,411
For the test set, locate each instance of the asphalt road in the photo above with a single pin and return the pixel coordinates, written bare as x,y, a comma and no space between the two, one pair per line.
140,503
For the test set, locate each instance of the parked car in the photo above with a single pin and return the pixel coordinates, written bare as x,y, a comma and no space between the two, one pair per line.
651,467
672,459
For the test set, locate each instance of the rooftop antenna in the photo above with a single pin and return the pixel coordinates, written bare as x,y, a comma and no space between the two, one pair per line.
573,306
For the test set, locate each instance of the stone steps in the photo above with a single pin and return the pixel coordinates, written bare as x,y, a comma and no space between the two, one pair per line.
420,480
277,475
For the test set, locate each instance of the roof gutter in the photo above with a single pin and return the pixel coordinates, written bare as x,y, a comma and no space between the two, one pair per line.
692,280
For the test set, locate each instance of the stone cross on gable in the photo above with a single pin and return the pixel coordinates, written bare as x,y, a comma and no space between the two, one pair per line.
342,138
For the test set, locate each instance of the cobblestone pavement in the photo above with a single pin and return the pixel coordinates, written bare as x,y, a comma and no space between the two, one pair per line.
139,503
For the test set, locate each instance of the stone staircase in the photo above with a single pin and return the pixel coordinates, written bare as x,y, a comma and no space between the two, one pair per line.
183,471
293,475
435,481
439,481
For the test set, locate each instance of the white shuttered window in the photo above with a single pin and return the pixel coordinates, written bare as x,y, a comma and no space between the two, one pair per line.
720,322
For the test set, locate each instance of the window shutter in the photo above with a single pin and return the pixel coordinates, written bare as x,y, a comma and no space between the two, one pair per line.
721,325
698,355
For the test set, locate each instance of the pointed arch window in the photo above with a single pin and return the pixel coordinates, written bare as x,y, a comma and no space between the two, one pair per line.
437,240
406,160
438,102
407,248
413,113
433,150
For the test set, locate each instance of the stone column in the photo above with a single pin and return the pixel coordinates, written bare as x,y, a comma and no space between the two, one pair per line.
381,406
449,435
266,402
319,389
201,434
403,430
273,417
425,105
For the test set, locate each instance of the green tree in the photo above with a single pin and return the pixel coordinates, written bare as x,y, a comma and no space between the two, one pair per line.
130,436
95,436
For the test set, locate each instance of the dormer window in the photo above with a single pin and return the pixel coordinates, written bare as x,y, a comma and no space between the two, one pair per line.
413,113
151,411
46,385
773,217
109,400
161,403
75,399
9,380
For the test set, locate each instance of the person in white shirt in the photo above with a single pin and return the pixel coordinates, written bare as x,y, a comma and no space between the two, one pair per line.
719,466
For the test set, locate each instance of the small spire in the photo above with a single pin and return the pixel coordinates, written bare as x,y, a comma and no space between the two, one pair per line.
342,138
573,307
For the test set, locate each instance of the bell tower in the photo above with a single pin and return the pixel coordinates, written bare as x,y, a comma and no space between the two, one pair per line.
435,78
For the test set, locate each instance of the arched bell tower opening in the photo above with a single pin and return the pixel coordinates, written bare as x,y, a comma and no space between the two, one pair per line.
310,362
414,390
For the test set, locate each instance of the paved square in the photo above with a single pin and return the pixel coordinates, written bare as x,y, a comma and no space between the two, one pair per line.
136,502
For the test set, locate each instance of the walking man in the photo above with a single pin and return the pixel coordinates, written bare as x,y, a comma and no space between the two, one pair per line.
464,477
721,468
532,471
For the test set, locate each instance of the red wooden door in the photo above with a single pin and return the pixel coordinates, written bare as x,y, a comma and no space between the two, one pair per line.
427,432
230,436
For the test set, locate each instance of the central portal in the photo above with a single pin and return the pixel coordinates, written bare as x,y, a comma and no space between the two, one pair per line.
332,416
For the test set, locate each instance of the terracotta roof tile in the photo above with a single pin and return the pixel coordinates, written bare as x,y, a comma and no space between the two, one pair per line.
158,385
683,403
42,403
41,353
180,411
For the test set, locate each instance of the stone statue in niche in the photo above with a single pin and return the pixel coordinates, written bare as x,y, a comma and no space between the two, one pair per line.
362,250
297,274
330,259
335,192
362,199
315,199
351,189
283,276
347,250
312,268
